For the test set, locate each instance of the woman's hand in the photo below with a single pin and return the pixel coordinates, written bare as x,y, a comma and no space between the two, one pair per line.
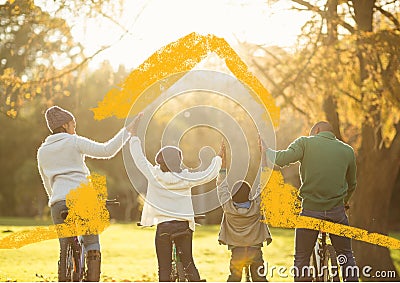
222,154
132,127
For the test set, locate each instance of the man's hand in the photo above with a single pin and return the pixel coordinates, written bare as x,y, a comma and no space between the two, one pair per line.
132,127
222,154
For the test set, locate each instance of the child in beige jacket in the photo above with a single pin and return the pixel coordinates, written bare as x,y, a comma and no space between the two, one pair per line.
242,229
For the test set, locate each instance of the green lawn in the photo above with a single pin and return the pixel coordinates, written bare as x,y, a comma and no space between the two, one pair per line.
129,254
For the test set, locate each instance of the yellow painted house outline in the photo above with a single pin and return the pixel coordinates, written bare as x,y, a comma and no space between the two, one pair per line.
181,56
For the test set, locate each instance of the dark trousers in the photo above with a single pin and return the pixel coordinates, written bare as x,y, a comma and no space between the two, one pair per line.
243,257
306,238
164,250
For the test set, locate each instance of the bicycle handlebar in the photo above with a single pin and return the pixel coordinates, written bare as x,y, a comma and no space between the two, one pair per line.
112,202
196,217
109,202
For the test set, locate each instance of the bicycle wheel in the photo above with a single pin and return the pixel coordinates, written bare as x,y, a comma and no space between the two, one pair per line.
330,267
174,272
314,268
181,272
247,273
79,262
66,264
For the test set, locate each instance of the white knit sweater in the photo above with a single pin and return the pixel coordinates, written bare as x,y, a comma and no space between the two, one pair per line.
61,160
168,194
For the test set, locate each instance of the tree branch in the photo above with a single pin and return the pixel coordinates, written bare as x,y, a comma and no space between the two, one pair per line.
87,59
348,94
281,90
309,6
316,9
388,15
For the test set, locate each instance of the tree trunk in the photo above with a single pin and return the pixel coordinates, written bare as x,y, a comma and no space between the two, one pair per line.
363,12
377,173
394,217
330,105
377,169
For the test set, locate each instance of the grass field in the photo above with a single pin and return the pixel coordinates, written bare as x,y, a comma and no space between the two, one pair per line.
129,254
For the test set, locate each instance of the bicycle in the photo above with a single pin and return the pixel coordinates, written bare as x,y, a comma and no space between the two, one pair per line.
323,261
72,258
178,272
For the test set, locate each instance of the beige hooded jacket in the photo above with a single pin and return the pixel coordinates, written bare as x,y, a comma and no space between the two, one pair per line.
241,227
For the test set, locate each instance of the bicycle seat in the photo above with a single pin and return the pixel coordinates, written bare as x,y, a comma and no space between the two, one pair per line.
64,213
180,234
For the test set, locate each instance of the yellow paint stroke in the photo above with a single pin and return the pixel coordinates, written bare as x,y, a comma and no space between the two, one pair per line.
281,206
87,214
176,58
280,200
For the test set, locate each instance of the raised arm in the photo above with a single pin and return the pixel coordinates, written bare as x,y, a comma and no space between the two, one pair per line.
135,148
102,150
257,185
222,184
110,148
139,158
293,153
203,177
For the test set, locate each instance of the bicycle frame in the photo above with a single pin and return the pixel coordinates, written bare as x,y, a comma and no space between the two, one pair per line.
78,256
178,272
317,254
320,256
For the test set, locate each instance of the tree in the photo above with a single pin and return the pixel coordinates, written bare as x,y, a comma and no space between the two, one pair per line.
347,65
38,55
35,46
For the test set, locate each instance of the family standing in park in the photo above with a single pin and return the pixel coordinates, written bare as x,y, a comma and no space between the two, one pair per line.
328,178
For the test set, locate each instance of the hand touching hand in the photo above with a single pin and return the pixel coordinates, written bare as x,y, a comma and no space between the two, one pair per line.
132,127
263,147
222,154
261,144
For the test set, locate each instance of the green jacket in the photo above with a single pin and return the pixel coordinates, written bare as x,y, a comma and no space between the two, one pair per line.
327,169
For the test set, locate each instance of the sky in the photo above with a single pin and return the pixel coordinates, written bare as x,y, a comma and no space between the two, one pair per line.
155,23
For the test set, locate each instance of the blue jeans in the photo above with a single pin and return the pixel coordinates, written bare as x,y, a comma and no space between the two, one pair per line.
306,238
91,242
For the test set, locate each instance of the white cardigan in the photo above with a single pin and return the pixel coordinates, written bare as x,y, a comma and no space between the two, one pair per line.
168,194
61,160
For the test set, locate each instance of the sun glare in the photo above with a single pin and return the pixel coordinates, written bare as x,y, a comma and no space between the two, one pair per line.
153,24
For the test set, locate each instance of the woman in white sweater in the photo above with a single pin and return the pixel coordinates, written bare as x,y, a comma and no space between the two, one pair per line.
61,162
168,202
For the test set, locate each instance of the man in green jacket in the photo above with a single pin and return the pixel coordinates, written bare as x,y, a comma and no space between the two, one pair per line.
328,179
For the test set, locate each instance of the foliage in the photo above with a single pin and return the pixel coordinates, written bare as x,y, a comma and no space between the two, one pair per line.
36,49
38,55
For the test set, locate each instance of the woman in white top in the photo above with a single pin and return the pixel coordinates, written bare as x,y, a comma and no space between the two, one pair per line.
61,162
168,202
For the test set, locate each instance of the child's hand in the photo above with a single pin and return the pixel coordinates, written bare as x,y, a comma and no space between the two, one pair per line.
132,127
222,154
261,144
263,147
